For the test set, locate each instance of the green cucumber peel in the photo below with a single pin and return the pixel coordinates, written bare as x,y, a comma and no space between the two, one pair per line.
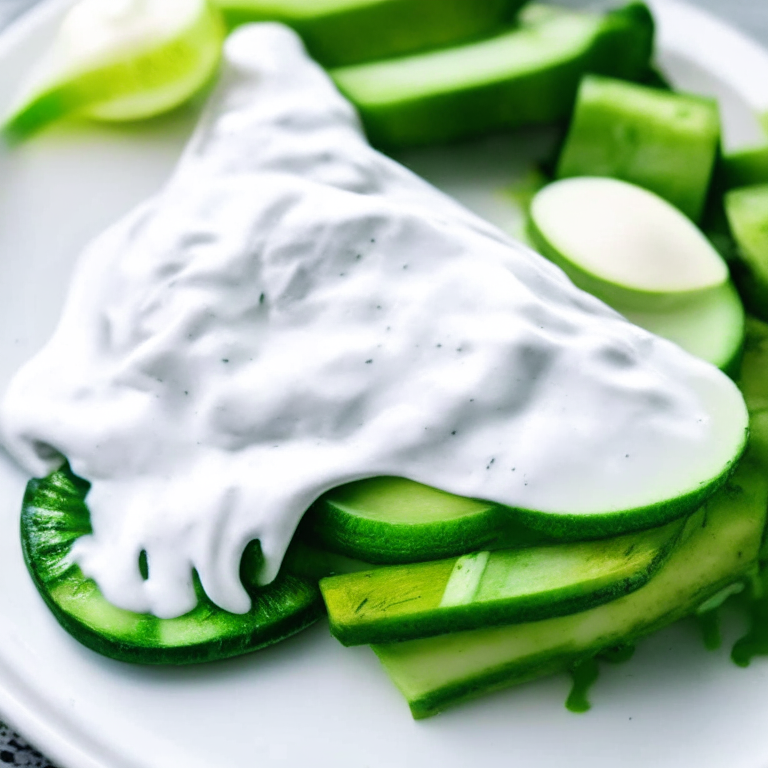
485,589
665,142
54,514
139,68
345,32
527,75
747,212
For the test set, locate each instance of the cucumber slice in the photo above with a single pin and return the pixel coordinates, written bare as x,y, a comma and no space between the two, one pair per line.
343,32
485,589
719,546
394,520
644,258
120,60
527,75
710,325
622,242
747,212
664,142
54,515
745,167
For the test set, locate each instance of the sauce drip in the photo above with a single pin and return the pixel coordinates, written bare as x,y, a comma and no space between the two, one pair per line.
294,311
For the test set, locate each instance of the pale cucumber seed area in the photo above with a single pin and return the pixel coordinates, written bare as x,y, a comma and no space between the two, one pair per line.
295,311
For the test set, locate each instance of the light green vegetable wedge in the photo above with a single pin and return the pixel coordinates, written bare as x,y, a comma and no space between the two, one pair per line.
747,212
342,32
527,75
485,589
643,257
719,546
665,142
120,60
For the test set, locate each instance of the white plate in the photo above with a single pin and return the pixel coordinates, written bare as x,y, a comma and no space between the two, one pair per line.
309,701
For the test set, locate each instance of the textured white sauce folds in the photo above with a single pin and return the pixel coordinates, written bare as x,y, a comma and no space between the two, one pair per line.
294,311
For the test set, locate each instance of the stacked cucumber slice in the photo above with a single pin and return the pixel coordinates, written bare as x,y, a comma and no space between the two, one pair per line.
471,595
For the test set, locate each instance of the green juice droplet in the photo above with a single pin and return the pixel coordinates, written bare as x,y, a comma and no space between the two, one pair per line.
584,673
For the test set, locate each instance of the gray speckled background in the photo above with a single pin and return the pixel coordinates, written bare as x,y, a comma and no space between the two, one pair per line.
750,15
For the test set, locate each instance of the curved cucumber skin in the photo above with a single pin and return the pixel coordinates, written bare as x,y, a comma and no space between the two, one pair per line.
486,589
152,81
525,76
747,211
710,325
745,167
719,546
664,142
344,32
54,514
391,520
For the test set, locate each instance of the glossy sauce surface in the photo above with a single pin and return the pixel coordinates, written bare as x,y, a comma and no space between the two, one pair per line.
294,311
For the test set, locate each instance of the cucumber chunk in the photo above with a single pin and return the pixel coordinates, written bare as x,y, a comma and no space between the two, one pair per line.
485,589
643,257
745,167
120,61
719,545
343,32
54,514
394,520
747,212
527,75
664,142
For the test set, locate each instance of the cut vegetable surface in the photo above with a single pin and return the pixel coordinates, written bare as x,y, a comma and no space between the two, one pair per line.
484,589
620,241
719,546
343,32
527,75
120,60
394,520
54,515
664,142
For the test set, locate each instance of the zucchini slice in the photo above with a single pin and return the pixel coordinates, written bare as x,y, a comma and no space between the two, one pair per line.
54,515
485,589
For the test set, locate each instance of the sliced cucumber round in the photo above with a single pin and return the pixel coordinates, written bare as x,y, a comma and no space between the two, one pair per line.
120,60
54,515
620,241
394,520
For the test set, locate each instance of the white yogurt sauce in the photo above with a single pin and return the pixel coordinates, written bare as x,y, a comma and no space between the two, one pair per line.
295,311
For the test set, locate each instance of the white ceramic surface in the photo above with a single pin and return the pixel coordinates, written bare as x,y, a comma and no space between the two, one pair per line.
309,701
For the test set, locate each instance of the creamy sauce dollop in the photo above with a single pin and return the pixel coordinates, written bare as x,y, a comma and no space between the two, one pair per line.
294,311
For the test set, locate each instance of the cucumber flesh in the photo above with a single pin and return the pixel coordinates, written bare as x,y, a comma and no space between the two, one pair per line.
747,212
120,61
527,75
486,589
664,142
54,515
622,242
709,325
343,32
719,545
394,520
